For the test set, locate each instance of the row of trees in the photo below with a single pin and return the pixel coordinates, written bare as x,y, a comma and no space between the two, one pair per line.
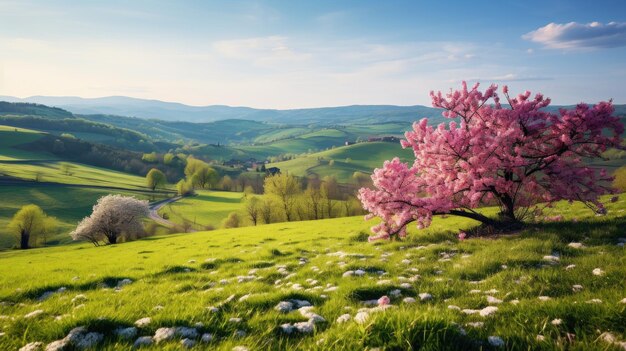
288,198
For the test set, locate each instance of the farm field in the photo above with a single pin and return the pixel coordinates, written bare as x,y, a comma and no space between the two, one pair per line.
207,208
363,157
534,289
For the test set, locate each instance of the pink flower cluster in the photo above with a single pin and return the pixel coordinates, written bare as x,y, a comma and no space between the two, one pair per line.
512,156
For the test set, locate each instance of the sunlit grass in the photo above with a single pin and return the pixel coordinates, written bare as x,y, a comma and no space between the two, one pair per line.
173,283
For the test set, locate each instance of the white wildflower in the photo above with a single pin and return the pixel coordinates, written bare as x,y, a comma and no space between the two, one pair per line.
408,300
598,272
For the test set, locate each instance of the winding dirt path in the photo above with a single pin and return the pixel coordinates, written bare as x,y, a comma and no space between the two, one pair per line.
154,211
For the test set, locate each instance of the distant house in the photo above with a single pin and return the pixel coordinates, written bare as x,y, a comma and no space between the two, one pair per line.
272,170
348,143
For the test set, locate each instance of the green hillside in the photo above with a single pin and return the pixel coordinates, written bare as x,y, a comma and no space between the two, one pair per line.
444,293
65,190
68,204
10,140
207,208
363,157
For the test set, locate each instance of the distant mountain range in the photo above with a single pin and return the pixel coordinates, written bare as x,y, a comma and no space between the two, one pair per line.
171,111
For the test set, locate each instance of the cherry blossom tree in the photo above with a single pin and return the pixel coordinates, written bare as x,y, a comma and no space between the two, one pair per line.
514,156
113,217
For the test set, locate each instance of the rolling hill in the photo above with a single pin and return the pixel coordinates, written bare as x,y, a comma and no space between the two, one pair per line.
248,288
65,190
155,109
362,157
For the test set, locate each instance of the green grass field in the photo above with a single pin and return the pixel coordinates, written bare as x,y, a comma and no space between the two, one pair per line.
69,201
363,157
207,208
52,171
300,140
543,293
67,204
11,137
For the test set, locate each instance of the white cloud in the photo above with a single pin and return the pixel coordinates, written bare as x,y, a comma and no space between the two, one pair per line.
261,51
575,35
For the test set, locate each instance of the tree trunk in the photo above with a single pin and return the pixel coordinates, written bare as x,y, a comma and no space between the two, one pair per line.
112,239
24,239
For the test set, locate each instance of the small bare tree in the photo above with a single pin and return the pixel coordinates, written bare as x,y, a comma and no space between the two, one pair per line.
253,209
113,217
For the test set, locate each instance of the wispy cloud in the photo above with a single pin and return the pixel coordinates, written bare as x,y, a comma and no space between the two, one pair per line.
575,35
261,51
509,77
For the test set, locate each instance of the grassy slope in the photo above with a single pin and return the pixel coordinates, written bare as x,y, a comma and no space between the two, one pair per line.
208,208
11,137
514,266
50,171
363,157
68,204
298,141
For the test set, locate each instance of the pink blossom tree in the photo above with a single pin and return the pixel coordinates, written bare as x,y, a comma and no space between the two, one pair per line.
514,156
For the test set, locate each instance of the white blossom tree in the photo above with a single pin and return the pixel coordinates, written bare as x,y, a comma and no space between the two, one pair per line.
113,217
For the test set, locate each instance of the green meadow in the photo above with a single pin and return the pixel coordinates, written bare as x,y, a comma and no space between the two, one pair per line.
363,157
533,289
206,208
11,137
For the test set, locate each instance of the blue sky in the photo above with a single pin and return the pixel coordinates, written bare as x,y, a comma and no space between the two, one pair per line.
291,54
